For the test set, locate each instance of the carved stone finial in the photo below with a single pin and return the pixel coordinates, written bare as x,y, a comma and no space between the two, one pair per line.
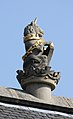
36,69
32,31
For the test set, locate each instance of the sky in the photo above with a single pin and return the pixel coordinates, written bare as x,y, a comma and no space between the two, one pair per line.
55,17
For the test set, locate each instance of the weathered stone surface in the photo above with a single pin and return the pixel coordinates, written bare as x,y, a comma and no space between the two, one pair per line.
20,94
17,94
17,104
36,62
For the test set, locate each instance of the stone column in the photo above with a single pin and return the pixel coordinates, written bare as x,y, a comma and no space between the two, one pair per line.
39,87
41,91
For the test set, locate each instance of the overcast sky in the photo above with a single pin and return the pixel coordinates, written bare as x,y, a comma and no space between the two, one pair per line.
55,17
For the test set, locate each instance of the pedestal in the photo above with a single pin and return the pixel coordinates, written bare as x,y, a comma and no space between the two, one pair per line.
39,87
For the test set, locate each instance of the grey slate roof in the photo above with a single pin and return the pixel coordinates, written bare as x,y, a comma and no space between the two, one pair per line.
16,104
7,112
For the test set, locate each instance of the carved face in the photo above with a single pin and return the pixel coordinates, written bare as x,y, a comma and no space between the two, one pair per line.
33,28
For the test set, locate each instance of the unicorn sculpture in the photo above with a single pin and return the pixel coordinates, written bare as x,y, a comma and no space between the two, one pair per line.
38,55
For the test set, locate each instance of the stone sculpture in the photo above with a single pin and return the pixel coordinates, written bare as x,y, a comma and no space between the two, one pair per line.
37,57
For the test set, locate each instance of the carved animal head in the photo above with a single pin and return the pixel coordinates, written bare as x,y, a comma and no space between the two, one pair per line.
33,31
